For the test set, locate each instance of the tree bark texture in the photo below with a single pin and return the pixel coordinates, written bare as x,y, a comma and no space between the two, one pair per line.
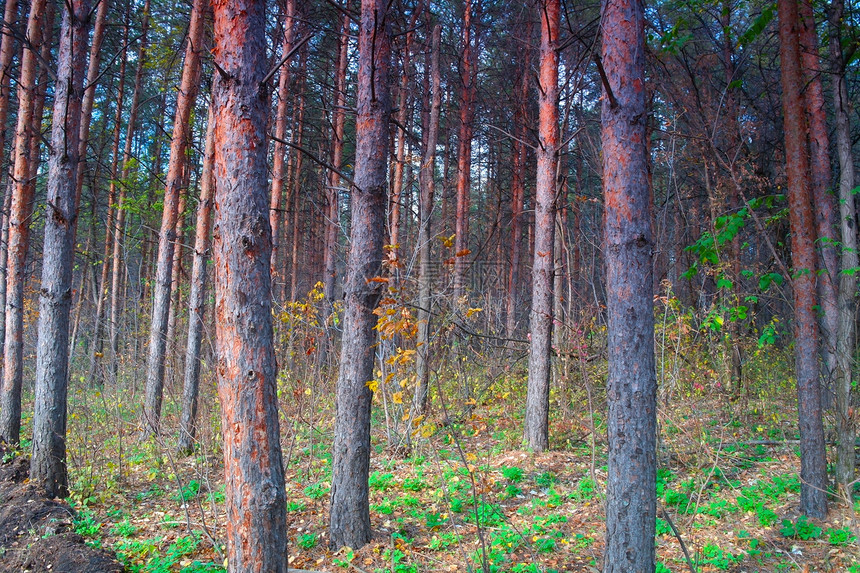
845,341
279,163
48,462
350,512
164,266
427,189
468,88
631,384
813,473
19,233
197,297
824,200
7,52
110,227
518,166
90,87
395,222
246,367
332,220
540,324
295,184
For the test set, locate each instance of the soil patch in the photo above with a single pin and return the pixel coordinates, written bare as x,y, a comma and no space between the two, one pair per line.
35,531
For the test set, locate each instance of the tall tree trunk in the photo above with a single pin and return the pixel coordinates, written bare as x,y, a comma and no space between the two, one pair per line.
19,230
7,52
279,169
350,511
518,173
813,471
332,219
824,199
468,79
296,182
847,335
733,201
116,276
396,199
427,188
164,267
631,386
110,227
171,355
86,116
540,324
197,300
90,87
246,366
48,463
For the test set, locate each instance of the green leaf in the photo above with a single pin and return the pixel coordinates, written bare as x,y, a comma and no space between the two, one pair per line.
766,280
758,26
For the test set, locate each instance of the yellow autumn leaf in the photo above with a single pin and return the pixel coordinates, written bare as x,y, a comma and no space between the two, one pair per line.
373,385
472,311
397,397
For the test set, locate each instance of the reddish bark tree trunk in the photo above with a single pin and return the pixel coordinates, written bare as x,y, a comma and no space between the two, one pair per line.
7,52
813,472
19,232
279,170
246,366
631,384
540,325
48,462
164,267
824,199
350,512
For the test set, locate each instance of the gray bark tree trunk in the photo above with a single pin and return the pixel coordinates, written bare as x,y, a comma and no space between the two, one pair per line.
164,267
847,335
427,186
631,386
540,324
350,511
196,299
48,462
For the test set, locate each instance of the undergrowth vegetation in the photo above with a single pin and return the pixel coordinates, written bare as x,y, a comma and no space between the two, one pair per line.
455,491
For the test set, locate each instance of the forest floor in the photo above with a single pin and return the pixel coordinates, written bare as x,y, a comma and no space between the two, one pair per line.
465,494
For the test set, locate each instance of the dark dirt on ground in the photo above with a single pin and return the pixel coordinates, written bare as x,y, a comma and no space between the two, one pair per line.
35,532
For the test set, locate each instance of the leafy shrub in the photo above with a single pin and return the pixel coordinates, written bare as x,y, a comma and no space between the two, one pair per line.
307,540
513,474
800,529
